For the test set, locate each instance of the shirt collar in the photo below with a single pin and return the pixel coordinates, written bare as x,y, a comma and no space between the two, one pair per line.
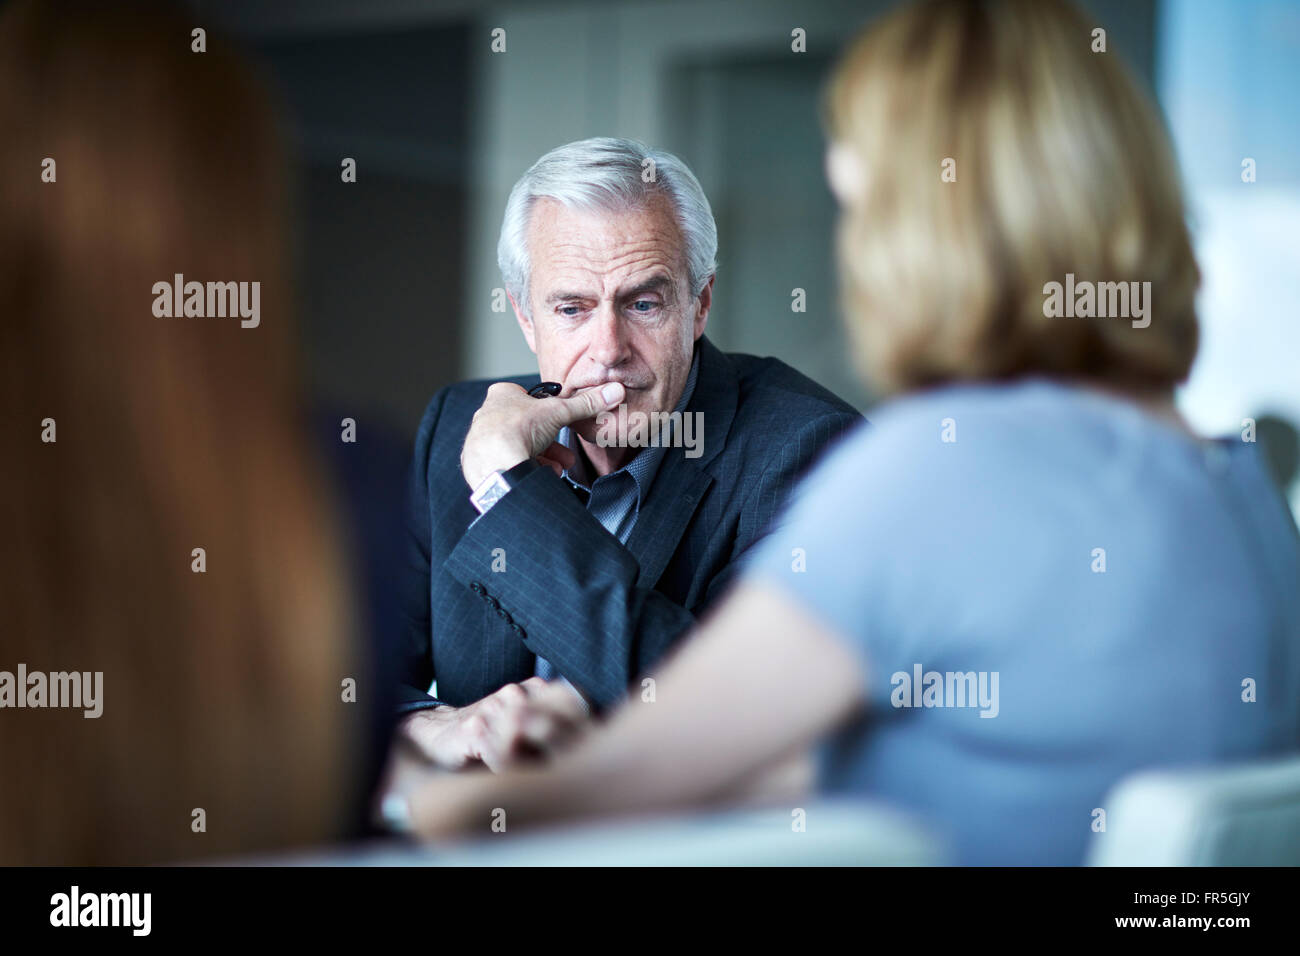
642,468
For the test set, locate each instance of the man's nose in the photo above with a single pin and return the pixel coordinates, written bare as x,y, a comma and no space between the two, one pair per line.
609,344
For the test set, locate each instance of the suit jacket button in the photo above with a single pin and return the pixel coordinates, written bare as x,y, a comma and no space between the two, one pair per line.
502,612
476,587
517,629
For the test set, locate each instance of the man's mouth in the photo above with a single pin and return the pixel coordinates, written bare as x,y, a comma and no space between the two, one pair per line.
568,392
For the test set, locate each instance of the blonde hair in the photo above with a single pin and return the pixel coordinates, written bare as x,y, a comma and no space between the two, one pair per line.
1062,166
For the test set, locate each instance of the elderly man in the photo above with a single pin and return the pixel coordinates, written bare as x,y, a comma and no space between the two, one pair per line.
560,544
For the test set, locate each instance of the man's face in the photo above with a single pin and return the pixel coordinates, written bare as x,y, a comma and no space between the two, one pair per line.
611,302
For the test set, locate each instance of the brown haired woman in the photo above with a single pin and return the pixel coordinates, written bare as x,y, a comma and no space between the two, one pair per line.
131,441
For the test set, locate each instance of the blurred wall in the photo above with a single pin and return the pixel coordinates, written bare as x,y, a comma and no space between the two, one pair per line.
1229,78
381,260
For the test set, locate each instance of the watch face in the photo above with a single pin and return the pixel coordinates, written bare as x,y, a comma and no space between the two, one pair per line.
493,494
492,491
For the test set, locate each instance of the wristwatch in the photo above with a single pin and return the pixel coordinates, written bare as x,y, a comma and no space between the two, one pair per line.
494,487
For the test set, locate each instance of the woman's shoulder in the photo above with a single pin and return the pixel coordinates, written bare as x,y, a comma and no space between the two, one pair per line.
1027,420
960,423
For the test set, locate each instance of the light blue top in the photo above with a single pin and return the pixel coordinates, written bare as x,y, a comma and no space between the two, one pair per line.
983,556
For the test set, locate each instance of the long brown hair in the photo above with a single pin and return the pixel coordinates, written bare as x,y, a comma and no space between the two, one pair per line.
221,689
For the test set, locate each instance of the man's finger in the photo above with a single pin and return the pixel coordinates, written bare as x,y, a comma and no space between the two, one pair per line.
539,729
492,746
548,734
552,694
453,757
568,705
501,743
534,685
556,697
587,403
505,390
509,695
475,738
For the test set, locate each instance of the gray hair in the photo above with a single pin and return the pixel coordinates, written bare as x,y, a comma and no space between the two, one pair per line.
606,173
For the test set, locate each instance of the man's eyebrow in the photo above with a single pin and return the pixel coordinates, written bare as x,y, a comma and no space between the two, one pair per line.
660,283
566,296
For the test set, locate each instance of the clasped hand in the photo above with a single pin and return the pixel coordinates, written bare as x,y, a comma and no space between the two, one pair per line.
511,426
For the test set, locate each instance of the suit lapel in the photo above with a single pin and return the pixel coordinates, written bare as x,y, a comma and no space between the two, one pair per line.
681,482
676,494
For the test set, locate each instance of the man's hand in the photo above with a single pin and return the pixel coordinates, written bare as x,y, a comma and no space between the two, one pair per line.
518,721
511,426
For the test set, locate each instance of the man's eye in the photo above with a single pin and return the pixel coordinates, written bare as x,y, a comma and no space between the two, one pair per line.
644,305
569,310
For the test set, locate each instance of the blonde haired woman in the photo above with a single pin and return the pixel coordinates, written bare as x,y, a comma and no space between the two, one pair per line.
1029,578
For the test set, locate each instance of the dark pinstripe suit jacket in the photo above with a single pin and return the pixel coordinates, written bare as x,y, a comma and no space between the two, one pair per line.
600,612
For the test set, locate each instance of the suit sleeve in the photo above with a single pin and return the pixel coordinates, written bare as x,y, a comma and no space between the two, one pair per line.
415,669
571,585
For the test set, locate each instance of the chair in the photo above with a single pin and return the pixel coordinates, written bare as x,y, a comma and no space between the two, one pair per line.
1239,815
